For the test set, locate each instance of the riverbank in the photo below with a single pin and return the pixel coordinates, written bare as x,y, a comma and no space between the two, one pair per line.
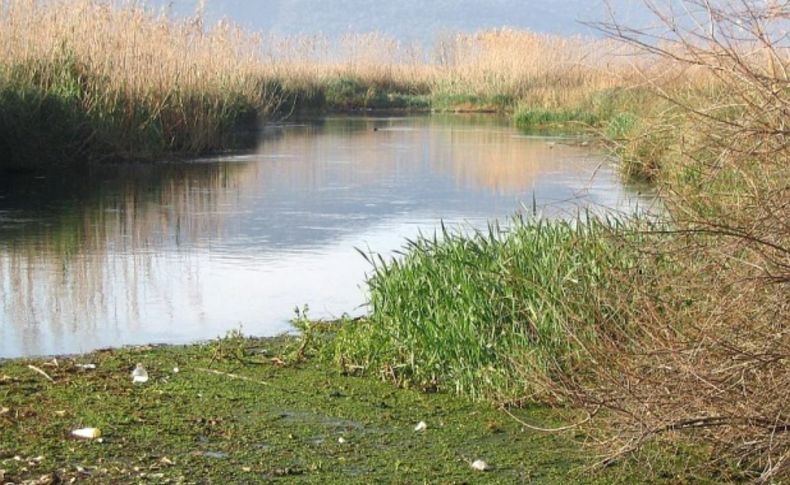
75,89
245,410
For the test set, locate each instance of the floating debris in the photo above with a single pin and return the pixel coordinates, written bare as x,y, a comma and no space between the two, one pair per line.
87,433
139,374
421,426
480,466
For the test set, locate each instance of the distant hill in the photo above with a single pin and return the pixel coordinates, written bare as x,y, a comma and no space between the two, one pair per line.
408,20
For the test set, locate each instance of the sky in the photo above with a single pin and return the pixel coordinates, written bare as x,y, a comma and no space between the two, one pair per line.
406,20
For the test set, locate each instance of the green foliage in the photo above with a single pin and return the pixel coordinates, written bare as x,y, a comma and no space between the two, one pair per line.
487,315
449,101
621,125
541,118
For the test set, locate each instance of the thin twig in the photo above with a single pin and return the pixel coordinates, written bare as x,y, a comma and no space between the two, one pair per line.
36,369
550,430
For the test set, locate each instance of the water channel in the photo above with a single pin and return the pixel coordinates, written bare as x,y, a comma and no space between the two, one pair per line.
176,252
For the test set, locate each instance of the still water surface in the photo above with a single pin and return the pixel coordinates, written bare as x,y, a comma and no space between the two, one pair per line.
178,252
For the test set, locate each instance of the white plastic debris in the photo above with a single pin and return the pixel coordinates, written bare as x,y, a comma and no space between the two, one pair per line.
176,370
87,433
139,374
341,440
86,366
421,426
480,466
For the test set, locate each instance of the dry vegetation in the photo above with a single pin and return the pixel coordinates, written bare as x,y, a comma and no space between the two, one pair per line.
91,78
508,64
710,341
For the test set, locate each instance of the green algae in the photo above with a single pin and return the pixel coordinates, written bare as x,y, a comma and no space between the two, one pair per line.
234,412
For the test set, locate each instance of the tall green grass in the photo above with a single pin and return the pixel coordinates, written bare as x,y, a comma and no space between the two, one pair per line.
487,315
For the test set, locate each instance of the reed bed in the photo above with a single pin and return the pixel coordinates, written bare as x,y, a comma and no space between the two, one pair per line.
115,80
111,79
498,67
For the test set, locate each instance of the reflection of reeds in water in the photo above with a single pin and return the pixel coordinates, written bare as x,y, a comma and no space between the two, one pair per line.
487,156
83,262
483,161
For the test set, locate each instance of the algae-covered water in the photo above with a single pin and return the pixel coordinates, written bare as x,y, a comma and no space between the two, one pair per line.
184,251
232,414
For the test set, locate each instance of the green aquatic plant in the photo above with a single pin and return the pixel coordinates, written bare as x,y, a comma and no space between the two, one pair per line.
491,315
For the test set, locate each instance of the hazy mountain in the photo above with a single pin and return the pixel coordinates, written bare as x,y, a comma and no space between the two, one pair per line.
407,20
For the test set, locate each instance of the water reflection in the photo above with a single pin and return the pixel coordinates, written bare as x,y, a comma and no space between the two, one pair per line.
177,252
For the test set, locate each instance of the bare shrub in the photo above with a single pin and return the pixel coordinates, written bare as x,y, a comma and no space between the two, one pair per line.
708,344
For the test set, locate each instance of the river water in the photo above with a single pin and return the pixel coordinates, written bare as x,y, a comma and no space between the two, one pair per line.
179,252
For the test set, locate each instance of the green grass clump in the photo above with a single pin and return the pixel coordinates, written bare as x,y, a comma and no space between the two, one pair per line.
543,117
488,315
443,101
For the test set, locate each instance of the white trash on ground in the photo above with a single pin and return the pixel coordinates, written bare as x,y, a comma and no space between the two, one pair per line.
421,426
87,433
480,465
139,374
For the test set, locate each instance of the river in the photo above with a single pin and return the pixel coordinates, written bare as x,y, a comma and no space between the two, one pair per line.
177,252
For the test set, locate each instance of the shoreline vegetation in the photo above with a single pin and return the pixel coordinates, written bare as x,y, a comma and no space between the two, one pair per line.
663,331
91,81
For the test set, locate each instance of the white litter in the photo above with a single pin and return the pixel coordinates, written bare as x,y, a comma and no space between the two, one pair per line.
87,433
421,426
480,465
176,370
86,366
341,440
139,374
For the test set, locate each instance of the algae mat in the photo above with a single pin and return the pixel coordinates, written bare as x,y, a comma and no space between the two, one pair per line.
229,411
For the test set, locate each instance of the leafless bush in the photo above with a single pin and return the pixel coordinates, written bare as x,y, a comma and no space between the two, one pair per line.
707,347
